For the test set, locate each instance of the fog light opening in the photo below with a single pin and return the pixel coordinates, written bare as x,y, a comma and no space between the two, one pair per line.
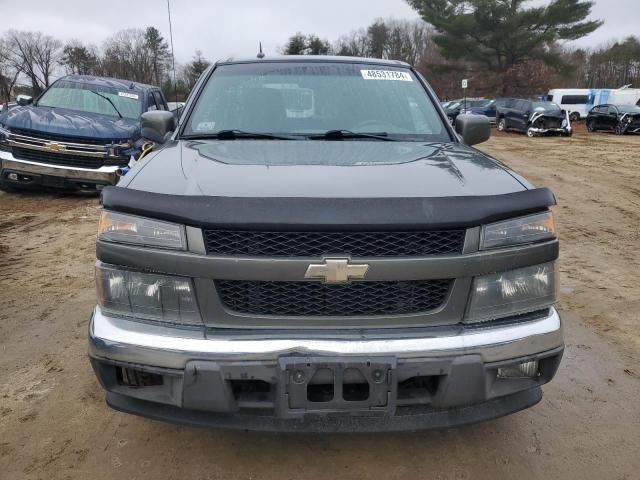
522,370
131,377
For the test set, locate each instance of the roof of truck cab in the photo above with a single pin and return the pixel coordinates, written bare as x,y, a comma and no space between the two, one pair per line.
315,59
109,82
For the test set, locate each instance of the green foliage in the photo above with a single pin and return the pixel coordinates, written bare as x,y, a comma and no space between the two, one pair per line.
300,44
500,35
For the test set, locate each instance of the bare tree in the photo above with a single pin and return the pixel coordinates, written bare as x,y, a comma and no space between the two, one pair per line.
9,72
35,54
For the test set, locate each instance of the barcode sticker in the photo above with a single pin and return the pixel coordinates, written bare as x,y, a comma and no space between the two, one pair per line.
386,75
128,95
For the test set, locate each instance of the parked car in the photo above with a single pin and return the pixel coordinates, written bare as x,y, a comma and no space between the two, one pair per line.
490,108
357,267
620,119
457,107
533,117
573,100
77,134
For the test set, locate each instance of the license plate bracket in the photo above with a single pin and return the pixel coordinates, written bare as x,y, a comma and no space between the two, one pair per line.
336,385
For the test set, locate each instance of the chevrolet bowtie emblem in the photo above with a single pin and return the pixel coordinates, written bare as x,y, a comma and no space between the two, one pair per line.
55,147
336,270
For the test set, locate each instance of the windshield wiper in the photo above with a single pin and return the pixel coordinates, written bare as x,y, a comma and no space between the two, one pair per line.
108,100
347,134
239,134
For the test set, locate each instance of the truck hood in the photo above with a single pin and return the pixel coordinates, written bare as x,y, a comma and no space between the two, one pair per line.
71,123
320,169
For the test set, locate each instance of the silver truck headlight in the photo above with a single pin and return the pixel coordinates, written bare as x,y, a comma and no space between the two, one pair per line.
122,228
513,292
146,296
516,231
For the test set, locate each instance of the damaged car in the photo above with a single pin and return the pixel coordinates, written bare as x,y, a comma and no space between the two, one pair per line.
534,117
78,134
620,119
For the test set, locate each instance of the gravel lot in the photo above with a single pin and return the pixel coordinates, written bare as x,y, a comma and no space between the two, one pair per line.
54,423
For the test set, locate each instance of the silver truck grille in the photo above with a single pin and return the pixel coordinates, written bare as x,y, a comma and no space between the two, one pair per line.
319,299
316,244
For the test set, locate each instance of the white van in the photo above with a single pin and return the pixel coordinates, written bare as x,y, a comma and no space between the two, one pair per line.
619,96
573,100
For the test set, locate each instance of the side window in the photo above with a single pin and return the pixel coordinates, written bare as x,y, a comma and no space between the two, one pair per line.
510,103
574,99
159,101
522,105
151,103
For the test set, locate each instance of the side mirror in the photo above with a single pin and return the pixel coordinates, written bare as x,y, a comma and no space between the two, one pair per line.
157,126
473,129
24,100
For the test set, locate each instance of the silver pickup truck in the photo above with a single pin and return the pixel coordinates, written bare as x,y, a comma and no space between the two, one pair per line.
315,248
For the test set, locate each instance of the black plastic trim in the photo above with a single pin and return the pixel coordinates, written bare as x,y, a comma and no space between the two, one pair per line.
308,214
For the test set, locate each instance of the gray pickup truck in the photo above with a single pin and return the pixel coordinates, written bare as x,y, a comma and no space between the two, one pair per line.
315,248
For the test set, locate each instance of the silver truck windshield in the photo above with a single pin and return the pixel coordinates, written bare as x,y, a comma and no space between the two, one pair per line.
306,99
89,99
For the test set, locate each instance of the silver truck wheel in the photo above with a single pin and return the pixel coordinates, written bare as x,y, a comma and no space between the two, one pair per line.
530,132
502,125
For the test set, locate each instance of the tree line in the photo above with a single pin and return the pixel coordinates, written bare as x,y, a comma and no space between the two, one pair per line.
504,47
141,55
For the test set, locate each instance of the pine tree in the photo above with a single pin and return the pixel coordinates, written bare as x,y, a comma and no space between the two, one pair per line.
502,35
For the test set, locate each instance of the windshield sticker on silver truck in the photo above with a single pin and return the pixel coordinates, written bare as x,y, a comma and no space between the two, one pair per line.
386,75
128,95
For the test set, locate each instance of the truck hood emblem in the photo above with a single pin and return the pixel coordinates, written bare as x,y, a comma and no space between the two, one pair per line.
55,147
336,270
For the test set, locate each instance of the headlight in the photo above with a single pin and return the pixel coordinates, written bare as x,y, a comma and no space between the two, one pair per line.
146,296
122,228
513,292
529,229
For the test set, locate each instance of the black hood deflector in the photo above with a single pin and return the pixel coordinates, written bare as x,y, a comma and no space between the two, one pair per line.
308,214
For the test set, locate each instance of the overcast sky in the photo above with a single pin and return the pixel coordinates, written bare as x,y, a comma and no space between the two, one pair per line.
223,28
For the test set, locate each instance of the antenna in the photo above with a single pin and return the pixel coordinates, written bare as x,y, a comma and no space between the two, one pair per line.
173,57
260,53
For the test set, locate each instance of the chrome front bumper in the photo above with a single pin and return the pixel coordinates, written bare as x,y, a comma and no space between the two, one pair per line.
104,175
202,376
119,340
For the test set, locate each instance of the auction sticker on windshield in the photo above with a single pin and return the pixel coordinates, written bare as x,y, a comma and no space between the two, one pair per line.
128,95
386,75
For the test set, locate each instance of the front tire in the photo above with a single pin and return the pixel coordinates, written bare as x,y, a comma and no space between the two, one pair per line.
9,187
502,125
452,121
619,130
591,126
574,117
530,132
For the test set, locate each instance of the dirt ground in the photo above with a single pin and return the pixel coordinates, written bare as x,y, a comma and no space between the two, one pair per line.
54,423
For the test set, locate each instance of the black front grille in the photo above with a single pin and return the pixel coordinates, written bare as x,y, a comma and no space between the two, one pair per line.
63,159
314,244
53,137
319,299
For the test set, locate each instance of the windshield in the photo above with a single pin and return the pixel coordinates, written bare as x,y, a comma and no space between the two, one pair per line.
629,109
545,107
91,99
314,98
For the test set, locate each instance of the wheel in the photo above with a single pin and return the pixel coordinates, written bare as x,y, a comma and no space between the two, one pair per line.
502,125
531,132
452,120
591,126
8,187
619,130
574,117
